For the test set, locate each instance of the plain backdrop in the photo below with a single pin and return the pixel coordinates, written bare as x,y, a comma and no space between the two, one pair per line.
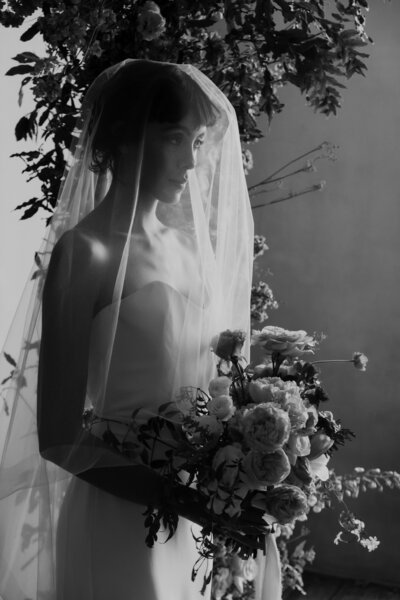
335,262
334,258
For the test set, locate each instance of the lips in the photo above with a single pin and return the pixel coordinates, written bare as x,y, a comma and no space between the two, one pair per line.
182,181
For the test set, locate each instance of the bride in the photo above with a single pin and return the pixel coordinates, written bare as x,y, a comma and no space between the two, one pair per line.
150,256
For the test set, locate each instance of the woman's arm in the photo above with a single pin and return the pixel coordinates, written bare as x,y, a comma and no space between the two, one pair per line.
69,299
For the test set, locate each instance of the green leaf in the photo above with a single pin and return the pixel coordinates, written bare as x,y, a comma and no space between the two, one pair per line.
20,70
37,259
22,129
27,203
26,57
29,213
10,359
30,32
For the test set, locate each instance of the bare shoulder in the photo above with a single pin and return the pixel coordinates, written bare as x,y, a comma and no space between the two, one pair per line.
79,258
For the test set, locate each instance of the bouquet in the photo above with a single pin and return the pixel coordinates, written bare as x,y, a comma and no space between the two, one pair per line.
249,451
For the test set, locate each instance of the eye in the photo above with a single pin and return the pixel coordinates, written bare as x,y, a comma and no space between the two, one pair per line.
198,143
174,138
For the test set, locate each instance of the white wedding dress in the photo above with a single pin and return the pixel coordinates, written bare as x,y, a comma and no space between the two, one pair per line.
101,552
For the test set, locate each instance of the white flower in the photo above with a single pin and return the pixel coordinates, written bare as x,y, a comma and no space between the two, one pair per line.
219,386
221,407
283,341
319,468
151,23
299,445
360,361
248,161
228,344
284,393
338,538
371,543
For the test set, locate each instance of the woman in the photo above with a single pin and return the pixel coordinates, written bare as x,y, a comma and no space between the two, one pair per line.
151,255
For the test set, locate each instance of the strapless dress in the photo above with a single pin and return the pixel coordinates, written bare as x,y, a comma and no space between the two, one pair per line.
101,552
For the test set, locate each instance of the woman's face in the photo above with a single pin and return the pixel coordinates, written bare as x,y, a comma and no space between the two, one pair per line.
170,151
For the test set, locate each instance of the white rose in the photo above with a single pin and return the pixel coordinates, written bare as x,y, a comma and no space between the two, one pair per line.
260,390
283,341
219,386
221,407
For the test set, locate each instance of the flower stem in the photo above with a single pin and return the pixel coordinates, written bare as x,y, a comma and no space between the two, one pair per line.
318,362
313,188
285,166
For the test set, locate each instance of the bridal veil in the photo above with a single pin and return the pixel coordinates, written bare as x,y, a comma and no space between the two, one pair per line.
215,217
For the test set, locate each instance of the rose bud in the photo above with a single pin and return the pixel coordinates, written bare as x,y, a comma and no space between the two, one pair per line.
228,344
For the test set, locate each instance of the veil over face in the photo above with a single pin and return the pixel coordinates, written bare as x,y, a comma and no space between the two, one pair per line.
202,205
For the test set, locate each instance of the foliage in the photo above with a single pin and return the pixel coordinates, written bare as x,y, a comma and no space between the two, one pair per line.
250,49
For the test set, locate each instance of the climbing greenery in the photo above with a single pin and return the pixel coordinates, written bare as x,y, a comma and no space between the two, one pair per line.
250,49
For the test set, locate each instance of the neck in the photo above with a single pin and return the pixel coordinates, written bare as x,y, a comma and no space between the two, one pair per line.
122,196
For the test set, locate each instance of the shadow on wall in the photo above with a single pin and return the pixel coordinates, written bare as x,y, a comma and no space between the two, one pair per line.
334,256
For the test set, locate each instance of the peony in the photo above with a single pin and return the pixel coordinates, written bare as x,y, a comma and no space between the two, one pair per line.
221,407
260,470
226,463
260,390
151,23
266,427
272,389
284,502
360,361
219,386
298,414
284,342
228,344
284,393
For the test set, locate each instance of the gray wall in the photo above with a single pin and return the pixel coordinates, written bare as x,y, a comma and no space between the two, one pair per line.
335,258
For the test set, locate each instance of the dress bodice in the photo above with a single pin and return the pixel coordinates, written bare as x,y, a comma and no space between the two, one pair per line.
161,342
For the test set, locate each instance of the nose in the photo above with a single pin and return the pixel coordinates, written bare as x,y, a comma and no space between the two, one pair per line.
188,159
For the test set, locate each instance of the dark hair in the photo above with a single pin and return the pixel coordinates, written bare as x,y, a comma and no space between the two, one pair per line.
143,91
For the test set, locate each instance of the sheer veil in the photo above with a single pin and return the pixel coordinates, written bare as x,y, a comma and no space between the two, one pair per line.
213,221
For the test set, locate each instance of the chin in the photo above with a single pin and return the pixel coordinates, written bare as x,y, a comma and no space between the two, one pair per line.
170,198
